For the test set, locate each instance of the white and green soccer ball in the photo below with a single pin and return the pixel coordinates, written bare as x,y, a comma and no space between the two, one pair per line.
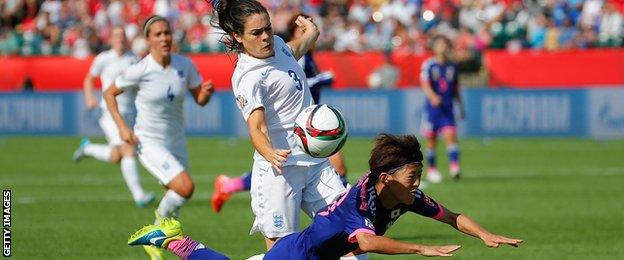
320,130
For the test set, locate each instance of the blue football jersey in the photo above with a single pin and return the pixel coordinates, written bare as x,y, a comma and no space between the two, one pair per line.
443,79
333,231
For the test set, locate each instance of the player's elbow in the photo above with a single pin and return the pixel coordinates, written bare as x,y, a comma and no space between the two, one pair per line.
366,243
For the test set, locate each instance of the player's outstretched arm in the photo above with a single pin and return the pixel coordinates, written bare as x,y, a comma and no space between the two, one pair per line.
389,246
90,99
203,93
468,226
303,44
111,103
259,134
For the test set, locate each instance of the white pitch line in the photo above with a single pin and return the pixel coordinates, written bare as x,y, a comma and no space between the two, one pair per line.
128,198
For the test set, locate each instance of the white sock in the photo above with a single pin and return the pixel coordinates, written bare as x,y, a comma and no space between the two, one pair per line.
98,151
131,175
170,204
355,257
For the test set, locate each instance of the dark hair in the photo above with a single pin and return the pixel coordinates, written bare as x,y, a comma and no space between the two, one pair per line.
392,151
292,26
230,17
446,40
151,20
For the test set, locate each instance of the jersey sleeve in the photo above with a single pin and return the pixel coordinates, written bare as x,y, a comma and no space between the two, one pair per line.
249,96
130,77
425,206
194,78
357,221
424,71
97,66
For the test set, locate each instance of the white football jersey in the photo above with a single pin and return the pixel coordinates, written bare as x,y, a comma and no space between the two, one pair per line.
160,96
108,65
278,84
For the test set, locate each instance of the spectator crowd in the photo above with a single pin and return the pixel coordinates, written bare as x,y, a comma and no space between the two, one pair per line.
82,27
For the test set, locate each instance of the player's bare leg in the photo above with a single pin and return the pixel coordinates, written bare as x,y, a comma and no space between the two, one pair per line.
270,242
452,148
179,190
337,161
433,175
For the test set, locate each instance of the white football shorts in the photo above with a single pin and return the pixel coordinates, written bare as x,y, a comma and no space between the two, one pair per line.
165,163
276,199
110,129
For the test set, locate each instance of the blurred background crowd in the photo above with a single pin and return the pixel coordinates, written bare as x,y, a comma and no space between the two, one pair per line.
81,27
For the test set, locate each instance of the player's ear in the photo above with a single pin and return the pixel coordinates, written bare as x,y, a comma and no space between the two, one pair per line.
383,177
237,37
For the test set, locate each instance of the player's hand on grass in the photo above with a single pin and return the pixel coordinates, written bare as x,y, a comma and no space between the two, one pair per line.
128,136
492,240
439,250
278,158
435,100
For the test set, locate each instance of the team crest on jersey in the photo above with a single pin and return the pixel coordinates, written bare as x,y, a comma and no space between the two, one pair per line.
450,73
278,220
181,73
241,101
286,52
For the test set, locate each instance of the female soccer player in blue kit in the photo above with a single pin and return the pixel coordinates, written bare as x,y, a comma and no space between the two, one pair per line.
357,220
440,81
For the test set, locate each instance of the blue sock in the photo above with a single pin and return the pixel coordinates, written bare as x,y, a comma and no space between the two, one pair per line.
246,181
453,153
431,158
204,253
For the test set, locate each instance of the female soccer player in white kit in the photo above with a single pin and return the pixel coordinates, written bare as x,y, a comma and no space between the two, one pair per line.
108,65
271,89
161,80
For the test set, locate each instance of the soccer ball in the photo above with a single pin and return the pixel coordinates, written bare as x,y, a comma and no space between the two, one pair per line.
320,130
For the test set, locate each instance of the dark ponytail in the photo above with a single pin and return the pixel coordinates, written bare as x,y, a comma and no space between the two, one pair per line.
230,15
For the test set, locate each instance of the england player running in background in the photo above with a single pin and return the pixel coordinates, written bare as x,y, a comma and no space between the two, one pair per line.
161,80
358,220
271,90
225,186
440,81
108,65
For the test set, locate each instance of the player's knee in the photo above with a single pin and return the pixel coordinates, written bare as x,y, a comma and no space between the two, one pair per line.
115,156
183,185
126,150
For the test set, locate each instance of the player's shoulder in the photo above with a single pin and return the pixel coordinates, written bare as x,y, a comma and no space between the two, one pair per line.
140,67
103,56
181,60
428,63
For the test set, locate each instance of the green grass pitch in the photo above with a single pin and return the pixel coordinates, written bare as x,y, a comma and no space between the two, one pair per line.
564,197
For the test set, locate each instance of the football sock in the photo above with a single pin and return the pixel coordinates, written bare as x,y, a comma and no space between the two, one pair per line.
431,158
170,204
131,175
98,151
235,184
188,248
246,181
453,153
